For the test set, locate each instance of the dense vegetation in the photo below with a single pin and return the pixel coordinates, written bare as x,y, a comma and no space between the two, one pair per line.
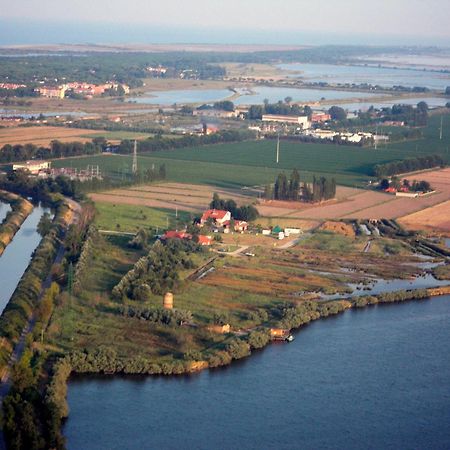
157,272
294,190
408,165
57,149
20,209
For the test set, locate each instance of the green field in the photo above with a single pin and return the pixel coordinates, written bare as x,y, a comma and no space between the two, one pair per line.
131,218
253,162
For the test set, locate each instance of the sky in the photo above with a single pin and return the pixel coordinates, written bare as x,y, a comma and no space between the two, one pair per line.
263,21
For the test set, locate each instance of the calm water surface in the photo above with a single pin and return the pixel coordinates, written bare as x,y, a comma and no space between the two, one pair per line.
377,378
17,255
274,94
184,96
330,73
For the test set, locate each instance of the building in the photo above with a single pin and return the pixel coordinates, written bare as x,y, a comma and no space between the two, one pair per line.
217,216
239,225
34,167
52,92
320,117
204,240
302,121
219,113
173,234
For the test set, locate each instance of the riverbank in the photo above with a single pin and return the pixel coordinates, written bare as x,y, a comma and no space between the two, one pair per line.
372,377
20,210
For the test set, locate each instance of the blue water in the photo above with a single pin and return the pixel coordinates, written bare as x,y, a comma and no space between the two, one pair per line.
4,209
15,113
17,255
274,94
184,96
330,73
377,378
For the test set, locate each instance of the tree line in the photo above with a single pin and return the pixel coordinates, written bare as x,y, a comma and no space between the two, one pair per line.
285,108
157,272
293,189
408,165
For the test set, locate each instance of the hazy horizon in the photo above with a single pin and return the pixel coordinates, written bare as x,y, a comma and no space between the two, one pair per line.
294,22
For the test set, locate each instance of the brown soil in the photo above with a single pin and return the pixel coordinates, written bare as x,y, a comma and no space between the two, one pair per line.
186,197
42,135
339,227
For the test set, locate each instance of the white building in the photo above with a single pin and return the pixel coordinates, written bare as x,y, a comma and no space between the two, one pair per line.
303,121
34,167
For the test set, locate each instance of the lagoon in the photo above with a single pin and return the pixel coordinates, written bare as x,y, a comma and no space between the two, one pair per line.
372,378
386,77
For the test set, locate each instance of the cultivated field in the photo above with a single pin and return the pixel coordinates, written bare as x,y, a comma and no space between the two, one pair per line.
185,197
350,203
436,218
42,135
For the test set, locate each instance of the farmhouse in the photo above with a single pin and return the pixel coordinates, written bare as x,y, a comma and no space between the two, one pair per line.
217,216
303,121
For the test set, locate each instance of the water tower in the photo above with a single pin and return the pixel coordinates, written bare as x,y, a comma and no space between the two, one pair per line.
168,301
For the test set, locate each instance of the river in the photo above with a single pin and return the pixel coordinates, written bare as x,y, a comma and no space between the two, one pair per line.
372,378
17,255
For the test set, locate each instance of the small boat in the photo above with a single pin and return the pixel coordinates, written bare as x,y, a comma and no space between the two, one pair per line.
289,338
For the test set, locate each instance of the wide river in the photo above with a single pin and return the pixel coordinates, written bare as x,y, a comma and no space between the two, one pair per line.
376,378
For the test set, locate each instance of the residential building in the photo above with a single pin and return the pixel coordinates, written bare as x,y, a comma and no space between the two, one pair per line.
217,216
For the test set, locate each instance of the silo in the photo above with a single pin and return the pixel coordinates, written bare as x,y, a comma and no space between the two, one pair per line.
168,300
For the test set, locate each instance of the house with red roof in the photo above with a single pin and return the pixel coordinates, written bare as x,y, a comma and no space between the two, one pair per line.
173,234
204,240
218,217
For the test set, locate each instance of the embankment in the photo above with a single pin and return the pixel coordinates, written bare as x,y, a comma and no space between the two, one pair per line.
20,210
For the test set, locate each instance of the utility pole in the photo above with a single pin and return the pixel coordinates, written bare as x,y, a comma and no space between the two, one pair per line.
440,130
376,136
278,148
134,167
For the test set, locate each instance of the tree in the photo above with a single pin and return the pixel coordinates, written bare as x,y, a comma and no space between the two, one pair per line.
337,113
288,99
384,184
45,224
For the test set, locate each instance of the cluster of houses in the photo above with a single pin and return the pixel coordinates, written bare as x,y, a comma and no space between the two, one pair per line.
222,221
11,86
81,88
354,138
219,220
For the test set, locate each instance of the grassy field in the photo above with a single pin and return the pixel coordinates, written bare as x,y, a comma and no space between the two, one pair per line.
130,217
253,162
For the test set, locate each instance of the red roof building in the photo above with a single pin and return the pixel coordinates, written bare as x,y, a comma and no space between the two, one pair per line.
204,240
172,234
218,216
